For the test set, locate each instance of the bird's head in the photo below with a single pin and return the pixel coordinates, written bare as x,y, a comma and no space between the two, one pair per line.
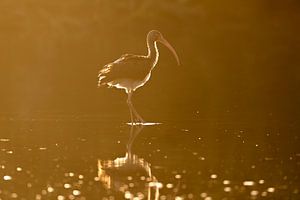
156,36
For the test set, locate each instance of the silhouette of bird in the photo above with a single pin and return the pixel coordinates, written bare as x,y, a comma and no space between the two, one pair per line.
130,71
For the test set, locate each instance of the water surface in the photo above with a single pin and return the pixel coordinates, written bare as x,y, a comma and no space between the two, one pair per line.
93,158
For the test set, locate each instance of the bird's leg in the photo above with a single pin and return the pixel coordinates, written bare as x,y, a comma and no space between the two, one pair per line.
139,118
129,106
136,114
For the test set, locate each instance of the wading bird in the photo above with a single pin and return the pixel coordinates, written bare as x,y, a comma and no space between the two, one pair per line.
130,72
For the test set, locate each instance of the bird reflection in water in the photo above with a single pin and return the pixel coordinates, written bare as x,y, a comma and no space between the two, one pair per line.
130,175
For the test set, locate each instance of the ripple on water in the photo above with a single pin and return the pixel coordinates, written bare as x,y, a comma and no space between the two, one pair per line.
19,169
60,197
271,189
248,183
227,189
50,189
213,176
76,192
67,185
7,178
254,193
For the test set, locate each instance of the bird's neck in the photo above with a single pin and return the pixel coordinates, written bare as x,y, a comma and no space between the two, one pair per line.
153,53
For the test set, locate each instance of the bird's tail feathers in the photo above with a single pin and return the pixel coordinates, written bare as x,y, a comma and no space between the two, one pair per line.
100,80
102,75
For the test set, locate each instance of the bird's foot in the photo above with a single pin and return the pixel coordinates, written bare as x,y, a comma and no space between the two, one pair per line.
138,121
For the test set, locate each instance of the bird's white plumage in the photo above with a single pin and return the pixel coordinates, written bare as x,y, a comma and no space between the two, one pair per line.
127,84
130,72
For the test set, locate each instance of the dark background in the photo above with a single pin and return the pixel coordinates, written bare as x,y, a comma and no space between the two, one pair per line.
240,59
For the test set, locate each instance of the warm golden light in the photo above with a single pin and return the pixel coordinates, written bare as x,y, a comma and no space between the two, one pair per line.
222,125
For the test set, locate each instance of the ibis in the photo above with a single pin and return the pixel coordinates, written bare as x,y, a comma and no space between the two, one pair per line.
131,72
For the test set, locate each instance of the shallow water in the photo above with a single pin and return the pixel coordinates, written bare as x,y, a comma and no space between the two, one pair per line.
92,158
229,114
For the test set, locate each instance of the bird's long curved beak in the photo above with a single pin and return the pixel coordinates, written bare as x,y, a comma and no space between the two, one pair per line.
167,44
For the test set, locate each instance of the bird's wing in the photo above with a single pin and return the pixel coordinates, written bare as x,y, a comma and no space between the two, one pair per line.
128,66
103,74
107,68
